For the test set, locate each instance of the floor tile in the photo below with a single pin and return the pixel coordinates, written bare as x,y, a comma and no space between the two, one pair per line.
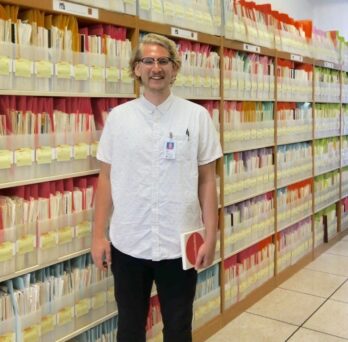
345,238
331,318
342,293
330,263
250,328
309,335
313,282
340,248
286,306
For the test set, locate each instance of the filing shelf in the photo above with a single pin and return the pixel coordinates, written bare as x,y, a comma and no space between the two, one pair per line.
38,267
61,94
12,184
137,25
87,327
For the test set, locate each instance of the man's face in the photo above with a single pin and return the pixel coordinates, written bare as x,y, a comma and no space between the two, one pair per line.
156,76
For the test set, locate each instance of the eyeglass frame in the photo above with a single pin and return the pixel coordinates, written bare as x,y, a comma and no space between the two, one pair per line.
156,60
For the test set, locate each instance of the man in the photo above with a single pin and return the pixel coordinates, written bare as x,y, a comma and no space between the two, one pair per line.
157,157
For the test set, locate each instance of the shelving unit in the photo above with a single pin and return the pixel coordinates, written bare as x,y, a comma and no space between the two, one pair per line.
242,237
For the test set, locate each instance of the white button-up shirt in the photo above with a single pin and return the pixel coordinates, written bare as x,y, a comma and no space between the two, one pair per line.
155,198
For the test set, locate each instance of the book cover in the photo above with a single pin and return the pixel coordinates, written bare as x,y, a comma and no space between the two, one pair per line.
190,243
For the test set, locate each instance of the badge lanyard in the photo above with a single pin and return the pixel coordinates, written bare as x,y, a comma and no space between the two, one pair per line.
169,147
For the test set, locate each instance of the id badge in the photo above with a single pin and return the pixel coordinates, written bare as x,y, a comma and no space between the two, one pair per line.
169,149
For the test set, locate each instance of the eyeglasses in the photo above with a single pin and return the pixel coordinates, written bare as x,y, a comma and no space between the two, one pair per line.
150,61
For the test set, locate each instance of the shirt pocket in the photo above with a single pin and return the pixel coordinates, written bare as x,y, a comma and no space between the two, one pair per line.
184,148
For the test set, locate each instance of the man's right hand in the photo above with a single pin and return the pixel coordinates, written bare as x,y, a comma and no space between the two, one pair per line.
101,252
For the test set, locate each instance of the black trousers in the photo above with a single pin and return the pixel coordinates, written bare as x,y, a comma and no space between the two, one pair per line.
175,288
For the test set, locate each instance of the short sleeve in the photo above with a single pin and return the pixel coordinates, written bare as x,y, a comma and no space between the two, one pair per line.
104,152
209,148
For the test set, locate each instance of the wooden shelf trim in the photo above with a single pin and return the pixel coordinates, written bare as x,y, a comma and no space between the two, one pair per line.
257,193
10,184
61,94
228,255
105,16
293,56
44,265
165,29
240,46
87,327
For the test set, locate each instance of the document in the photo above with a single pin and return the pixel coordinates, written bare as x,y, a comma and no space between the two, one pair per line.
190,243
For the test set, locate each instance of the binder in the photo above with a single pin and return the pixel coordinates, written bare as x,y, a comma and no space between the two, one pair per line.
190,243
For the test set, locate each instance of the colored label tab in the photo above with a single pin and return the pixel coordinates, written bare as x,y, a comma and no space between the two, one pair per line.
44,155
24,157
26,244
6,159
44,69
47,324
5,65
81,72
65,235
23,68
7,251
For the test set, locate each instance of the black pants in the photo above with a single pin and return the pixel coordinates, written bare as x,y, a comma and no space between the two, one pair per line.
175,288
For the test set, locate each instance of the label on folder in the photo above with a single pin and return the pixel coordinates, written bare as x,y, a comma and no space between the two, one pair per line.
5,65
125,77
98,300
43,69
145,5
63,70
44,155
97,73
7,251
47,324
81,151
26,244
113,74
24,156
94,149
65,235
31,334
8,337
83,229
23,68
48,240
6,159
81,72
63,152
82,307
65,315
110,294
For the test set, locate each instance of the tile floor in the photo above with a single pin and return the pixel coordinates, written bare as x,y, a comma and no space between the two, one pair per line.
311,306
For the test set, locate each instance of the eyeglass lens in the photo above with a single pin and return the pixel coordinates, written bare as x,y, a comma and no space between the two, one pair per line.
152,60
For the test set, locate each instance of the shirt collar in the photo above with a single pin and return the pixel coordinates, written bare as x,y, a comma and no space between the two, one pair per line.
149,107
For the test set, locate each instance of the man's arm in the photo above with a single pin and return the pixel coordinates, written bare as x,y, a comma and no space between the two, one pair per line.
103,205
208,201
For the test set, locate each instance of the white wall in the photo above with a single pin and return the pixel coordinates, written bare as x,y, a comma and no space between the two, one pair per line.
298,9
325,14
331,15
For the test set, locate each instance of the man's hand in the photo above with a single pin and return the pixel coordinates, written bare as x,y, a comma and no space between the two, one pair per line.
103,203
205,256
208,202
101,253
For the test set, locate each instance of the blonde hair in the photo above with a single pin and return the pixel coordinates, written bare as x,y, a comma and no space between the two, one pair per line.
155,39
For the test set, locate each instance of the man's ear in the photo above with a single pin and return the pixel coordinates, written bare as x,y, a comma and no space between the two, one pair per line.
137,70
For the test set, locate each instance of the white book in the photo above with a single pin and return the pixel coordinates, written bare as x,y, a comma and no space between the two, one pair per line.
191,241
